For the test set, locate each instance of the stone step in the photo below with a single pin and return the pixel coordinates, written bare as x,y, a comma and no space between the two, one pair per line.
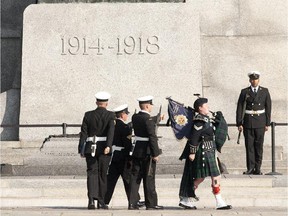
7,153
80,169
34,170
59,158
240,191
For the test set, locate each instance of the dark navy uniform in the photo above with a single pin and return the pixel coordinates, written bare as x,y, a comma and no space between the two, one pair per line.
99,122
256,117
120,163
143,167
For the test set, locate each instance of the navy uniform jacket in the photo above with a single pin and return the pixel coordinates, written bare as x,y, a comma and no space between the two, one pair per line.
145,126
122,138
99,122
260,101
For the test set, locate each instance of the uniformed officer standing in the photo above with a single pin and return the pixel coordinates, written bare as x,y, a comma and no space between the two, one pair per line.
95,144
120,153
203,154
144,157
253,117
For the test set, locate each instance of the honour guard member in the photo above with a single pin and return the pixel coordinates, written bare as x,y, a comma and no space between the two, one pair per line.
203,152
95,145
121,161
253,118
120,152
144,156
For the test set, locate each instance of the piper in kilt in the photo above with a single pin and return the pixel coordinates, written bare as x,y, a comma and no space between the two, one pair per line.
203,151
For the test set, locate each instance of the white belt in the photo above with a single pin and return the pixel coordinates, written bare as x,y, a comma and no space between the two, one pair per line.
255,112
117,148
137,138
96,139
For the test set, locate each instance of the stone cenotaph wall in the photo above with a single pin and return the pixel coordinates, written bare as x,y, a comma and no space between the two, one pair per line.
72,51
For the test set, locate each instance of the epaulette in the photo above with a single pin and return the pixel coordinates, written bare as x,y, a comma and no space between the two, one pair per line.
200,117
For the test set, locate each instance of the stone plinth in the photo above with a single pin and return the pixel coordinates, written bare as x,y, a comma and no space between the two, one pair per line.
72,51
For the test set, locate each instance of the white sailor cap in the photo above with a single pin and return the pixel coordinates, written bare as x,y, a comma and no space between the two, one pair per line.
122,108
102,96
254,75
146,99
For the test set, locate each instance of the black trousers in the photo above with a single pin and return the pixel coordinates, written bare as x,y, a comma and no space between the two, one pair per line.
97,176
187,181
117,169
140,169
254,138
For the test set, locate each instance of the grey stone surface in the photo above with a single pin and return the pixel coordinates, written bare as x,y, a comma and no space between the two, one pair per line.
10,64
227,18
9,111
138,56
65,211
11,42
223,82
12,17
99,1
69,192
270,19
235,36
59,157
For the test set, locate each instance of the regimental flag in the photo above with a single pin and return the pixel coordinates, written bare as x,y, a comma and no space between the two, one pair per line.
181,118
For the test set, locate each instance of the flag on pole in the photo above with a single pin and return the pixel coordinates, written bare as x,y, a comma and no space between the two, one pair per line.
181,118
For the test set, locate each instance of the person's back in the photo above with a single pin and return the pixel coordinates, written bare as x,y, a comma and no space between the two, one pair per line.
96,137
144,156
140,131
98,123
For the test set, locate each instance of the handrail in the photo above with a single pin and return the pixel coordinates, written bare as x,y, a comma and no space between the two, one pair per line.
65,125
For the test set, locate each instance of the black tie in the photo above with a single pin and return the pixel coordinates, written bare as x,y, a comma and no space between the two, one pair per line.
255,92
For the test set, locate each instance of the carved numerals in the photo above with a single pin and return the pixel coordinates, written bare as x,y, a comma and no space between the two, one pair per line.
128,45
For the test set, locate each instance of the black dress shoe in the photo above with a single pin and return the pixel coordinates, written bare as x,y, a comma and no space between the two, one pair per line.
91,204
133,207
227,207
155,207
140,204
248,172
257,172
101,206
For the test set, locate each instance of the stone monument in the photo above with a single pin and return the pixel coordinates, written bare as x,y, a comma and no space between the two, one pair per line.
72,51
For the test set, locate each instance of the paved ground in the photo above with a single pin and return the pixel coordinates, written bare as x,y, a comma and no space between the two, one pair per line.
40,195
168,211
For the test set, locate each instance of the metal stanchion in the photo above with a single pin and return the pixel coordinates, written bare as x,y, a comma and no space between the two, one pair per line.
64,129
273,124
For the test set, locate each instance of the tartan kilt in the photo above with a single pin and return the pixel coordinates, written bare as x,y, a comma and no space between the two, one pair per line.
205,164
187,182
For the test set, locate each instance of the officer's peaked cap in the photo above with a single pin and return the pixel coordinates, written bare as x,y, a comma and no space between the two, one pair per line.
145,100
122,108
254,75
102,96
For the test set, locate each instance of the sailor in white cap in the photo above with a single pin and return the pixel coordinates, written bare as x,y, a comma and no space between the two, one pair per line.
95,144
253,118
254,75
145,155
120,152
121,161
102,96
145,100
